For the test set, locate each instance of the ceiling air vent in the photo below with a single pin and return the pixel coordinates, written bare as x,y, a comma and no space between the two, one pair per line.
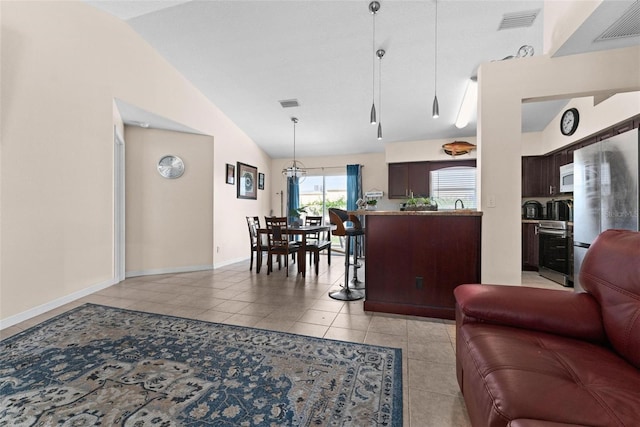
288,103
628,25
518,19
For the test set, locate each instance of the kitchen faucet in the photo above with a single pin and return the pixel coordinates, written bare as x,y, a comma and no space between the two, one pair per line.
455,206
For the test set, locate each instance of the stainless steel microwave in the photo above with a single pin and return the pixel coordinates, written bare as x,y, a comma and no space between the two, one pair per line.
566,178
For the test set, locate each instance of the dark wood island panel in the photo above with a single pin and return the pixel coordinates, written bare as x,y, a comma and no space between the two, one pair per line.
413,262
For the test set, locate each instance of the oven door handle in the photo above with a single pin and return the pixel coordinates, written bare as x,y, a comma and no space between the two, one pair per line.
561,233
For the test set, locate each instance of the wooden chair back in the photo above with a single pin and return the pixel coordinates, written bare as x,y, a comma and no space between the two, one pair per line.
278,236
253,223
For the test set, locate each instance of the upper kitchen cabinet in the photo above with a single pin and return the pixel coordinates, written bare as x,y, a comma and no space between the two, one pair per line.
408,178
541,174
532,176
412,178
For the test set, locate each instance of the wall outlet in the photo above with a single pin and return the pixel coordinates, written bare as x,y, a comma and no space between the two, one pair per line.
419,282
217,249
491,203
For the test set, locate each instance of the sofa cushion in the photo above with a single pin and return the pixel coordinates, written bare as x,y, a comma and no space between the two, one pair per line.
611,273
512,373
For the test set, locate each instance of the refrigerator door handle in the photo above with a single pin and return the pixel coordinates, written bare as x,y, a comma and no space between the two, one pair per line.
581,245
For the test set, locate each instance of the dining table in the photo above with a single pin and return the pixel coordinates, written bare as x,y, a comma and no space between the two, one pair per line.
303,231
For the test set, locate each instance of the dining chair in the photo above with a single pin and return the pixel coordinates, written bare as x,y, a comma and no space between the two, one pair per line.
258,245
317,242
280,243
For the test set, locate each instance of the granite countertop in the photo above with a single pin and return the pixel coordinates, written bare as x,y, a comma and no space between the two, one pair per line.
459,212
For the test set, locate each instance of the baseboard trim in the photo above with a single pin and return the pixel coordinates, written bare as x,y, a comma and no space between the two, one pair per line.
168,270
229,262
59,302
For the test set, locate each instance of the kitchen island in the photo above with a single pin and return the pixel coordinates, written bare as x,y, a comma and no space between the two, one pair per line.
414,259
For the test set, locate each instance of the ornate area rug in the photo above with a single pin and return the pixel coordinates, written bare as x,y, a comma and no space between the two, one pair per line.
97,365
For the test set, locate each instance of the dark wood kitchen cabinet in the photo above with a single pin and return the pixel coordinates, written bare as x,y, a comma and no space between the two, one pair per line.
532,176
412,178
407,178
541,174
530,247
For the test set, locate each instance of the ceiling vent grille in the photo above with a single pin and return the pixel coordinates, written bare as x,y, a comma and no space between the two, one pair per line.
288,103
628,25
518,19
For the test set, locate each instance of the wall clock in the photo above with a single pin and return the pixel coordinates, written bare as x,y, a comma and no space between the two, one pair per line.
569,121
171,167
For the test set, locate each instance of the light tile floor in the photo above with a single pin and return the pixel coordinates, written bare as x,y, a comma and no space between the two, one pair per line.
235,295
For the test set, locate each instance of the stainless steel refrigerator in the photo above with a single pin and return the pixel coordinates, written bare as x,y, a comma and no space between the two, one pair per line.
605,192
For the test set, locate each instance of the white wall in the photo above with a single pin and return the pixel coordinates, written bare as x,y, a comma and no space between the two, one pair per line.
424,150
63,63
169,223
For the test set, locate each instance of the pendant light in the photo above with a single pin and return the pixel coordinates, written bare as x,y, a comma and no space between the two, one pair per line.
380,53
374,7
436,106
296,169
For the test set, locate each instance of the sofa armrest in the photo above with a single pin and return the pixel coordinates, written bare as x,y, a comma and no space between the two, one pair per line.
575,315
522,422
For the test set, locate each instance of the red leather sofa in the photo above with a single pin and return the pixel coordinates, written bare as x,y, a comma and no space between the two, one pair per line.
539,357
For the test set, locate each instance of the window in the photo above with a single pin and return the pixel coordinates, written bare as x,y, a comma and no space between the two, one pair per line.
319,193
451,184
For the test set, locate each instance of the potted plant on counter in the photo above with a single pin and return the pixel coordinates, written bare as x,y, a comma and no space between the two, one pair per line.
421,204
371,204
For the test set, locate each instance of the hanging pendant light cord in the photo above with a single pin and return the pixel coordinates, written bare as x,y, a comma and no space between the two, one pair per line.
374,7
436,107
380,88
373,62
294,120
380,53
435,74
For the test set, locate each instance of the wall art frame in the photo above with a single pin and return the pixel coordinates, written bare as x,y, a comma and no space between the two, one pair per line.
247,181
231,174
260,181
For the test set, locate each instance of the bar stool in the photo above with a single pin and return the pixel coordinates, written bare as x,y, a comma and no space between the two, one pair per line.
338,217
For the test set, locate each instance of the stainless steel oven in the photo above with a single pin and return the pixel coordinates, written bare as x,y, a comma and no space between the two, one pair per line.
556,255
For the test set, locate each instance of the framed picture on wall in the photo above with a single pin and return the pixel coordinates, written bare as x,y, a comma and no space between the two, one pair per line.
247,183
231,174
260,181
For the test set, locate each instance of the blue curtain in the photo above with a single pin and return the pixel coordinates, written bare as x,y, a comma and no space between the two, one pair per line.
293,196
354,191
354,186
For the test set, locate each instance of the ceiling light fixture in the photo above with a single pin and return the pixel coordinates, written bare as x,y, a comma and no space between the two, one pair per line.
436,107
296,169
374,7
380,53
469,103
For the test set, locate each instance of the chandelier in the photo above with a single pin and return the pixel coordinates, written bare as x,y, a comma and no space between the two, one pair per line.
295,169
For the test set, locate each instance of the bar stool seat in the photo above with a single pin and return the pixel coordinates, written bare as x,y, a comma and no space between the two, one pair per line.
338,217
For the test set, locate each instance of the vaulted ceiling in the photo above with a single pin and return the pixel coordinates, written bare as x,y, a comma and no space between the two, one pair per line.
246,56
